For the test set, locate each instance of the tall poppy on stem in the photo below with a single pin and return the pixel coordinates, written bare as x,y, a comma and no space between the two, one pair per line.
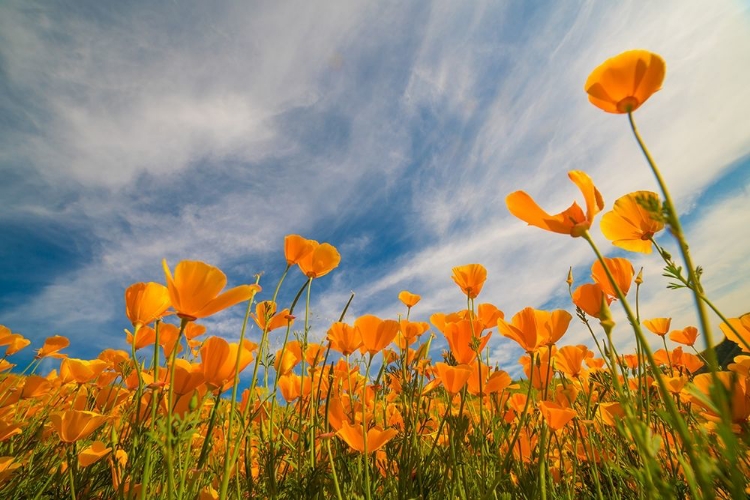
572,221
321,260
629,224
195,290
470,278
622,83
145,303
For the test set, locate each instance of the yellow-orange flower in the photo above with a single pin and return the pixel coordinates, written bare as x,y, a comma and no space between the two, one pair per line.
375,333
454,378
296,247
323,259
628,225
533,328
145,303
555,415
344,338
51,347
353,435
659,326
572,221
687,336
268,319
73,425
91,454
219,360
409,299
624,82
195,290
742,327
470,278
7,466
622,271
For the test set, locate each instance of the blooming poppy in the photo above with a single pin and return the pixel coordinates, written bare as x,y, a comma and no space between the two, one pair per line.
145,303
659,326
555,415
622,271
464,340
572,221
454,378
296,247
624,82
144,336
91,454
569,360
742,327
51,347
354,436
532,328
375,333
687,336
219,360
344,338
409,299
629,225
268,319
195,290
74,425
591,299
81,370
470,278
323,259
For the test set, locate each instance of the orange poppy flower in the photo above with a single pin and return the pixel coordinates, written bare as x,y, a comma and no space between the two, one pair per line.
409,331
622,271
219,360
742,326
285,363
296,247
470,278
464,340
143,337
91,454
687,336
80,370
268,319
7,466
628,225
659,326
555,415
292,386
376,333
624,82
145,303
74,425
344,338
591,299
409,299
454,378
569,360
572,221
195,290
354,436
323,259
15,343
51,347
532,328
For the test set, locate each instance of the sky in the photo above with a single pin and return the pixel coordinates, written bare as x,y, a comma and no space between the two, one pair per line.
136,131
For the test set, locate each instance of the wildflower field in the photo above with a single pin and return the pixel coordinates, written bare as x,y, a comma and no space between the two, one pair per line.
372,412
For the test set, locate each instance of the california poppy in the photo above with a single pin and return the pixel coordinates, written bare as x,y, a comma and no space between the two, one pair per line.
572,221
320,261
470,278
464,340
454,378
555,415
687,336
344,338
51,347
375,333
591,299
146,302
742,327
219,360
73,425
409,299
659,326
533,328
296,247
624,82
622,271
195,290
629,225
353,435
91,454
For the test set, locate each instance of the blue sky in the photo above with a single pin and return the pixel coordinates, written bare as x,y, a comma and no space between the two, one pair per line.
132,132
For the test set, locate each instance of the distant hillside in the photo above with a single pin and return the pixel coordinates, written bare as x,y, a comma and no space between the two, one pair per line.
726,350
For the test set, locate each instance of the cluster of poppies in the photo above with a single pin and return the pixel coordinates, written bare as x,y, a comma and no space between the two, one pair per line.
368,410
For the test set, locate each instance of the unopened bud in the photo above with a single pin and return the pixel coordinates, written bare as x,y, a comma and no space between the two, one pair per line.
639,278
569,281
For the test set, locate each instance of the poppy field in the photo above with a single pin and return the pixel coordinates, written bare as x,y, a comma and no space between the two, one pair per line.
372,411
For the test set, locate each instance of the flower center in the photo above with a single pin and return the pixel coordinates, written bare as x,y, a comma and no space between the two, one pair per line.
628,104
